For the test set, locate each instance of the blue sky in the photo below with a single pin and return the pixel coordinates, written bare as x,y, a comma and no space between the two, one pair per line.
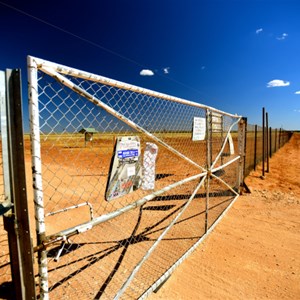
237,56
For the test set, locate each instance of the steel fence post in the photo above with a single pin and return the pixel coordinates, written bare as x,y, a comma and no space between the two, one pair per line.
263,142
255,146
270,134
267,141
242,133
23,249
279,139
208,162
275,148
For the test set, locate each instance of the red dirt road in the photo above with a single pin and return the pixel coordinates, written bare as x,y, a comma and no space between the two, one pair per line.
254,252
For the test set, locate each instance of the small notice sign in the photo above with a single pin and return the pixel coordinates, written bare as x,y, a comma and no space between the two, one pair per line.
217,121
149,161
126,171
199,129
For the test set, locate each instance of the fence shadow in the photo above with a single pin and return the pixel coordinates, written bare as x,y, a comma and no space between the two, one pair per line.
125,243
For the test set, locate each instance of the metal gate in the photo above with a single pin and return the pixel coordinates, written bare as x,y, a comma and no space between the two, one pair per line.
127,181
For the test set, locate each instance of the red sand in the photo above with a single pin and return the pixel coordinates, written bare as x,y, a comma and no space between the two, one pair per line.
254,252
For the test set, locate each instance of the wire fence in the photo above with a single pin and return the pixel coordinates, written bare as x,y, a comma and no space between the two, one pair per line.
262,144
126,182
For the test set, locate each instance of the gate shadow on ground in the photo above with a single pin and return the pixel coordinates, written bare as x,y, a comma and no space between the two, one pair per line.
131,240
159,207
125,244
199,195
96,257
191,217
67,249
161,176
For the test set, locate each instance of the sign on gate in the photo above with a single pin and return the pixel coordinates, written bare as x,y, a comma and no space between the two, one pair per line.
199,129
150,217
217,121
125,175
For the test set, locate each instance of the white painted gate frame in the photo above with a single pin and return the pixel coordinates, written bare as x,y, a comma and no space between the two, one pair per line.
58,71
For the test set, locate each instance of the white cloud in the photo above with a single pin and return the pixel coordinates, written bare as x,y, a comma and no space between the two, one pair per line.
258,31
282,37
277,82
166,70
146,72
297,93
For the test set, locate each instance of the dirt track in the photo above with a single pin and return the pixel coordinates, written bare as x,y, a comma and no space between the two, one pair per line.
254,251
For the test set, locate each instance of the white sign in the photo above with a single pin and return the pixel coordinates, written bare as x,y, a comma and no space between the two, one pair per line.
216,118
150,155
199,129
217,121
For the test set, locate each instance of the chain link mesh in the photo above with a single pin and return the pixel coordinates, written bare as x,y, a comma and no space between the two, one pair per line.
124,247
78,143
254,143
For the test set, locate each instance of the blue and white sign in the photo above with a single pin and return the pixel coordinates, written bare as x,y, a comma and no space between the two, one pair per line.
132,153
126,171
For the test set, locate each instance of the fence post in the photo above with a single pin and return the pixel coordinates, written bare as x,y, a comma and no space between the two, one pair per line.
208,161
242,137
8,216
7,204
263,142
279,140
275,140
255,146
244,149
267,141
270,135
17,223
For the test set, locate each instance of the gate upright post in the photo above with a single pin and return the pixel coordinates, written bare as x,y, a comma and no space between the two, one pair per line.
267,142
275,148
23,250
37,176
255,146
8,216
263,142
242,136
270,135
208,162
280,137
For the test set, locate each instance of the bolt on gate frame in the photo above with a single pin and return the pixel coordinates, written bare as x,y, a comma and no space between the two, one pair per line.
95,247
